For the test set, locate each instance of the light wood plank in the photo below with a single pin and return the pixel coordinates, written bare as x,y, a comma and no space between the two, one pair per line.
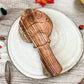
72,8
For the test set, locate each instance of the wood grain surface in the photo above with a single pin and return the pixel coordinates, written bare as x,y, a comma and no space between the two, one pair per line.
72,8
38,26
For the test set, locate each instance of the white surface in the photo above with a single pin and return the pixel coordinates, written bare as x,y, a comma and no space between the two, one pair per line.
66,43
4,58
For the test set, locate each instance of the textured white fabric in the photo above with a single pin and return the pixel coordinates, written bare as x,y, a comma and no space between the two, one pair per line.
4,57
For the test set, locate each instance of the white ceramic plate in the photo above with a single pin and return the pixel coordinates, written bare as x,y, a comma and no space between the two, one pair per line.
66,43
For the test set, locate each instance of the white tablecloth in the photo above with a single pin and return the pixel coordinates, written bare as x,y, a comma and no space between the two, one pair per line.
4,57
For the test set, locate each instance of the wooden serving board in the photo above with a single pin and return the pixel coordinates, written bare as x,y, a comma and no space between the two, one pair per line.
66,44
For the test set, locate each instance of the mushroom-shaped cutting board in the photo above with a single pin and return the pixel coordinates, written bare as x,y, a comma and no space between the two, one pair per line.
37,27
